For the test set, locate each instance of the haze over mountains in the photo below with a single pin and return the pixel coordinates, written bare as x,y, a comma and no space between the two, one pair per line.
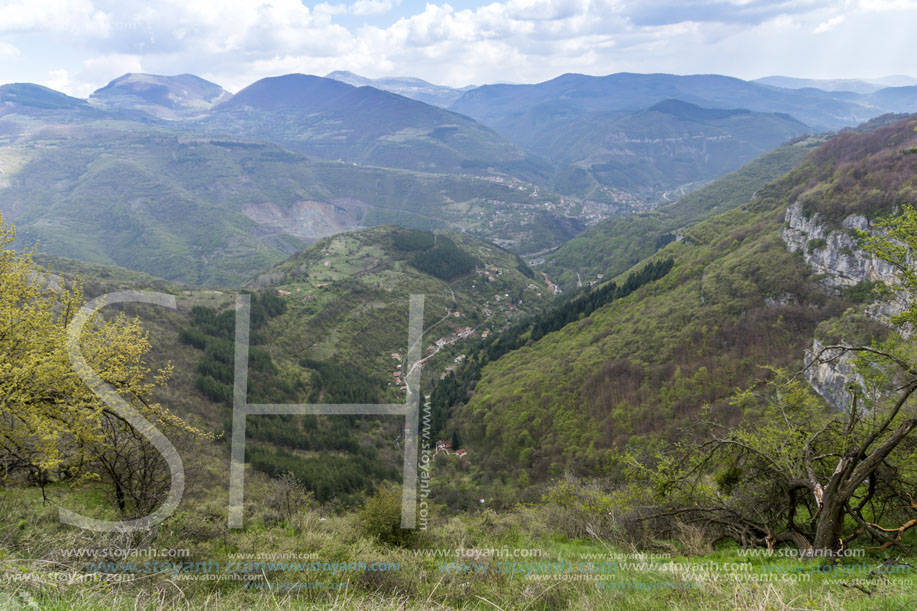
527,166
410,87
578,93
855,85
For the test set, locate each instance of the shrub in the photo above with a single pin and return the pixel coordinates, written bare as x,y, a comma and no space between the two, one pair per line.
815,244
381,519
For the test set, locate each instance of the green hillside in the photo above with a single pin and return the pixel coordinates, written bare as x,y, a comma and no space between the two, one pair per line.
614,245
347,296
326,323
333,120
37,99
215,211
649,152
633,373
574,382
330,326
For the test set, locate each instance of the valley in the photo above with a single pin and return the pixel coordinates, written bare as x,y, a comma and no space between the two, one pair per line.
665,355
214,211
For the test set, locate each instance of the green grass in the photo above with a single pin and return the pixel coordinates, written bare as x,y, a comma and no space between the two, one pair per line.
506,561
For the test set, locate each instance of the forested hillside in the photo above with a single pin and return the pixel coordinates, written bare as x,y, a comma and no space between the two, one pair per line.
633,374
579,425
650,153
616,244
216,210
329,325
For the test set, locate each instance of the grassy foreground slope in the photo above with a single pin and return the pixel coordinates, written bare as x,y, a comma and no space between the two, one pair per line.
545,570
633,373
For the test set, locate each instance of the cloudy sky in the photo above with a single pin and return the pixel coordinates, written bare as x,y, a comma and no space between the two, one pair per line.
78,45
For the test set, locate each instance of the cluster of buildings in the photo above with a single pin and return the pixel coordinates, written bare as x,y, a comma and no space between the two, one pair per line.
446,448
598,279
460,333
397,374
551,286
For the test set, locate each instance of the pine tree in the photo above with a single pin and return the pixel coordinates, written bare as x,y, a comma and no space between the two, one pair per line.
455,441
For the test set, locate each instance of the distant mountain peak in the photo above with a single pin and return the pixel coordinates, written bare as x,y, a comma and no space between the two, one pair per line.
167,97
298,91
38,97
407,86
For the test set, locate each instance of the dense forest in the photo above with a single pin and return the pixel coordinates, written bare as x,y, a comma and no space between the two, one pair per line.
444,260
322,453
707,399
454,389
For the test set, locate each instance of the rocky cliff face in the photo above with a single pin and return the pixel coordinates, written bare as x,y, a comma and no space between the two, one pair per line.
833,253
832,375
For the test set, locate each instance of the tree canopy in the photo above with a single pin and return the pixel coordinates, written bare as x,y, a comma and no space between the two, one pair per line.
798,471
52,426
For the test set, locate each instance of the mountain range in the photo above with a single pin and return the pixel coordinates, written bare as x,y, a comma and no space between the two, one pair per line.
409,87
290,159
329,119
855,85
573,132
671,300
496,105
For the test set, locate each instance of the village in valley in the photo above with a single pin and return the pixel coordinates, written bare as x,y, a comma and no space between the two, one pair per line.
472,307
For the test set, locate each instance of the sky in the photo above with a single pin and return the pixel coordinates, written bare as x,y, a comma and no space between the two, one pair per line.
76,46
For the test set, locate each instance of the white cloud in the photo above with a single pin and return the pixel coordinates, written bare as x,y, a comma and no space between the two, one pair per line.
829,25
330,9
359,8
99,70
77,17
235,42
93,73
8,51
58,80
370,7
887,5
